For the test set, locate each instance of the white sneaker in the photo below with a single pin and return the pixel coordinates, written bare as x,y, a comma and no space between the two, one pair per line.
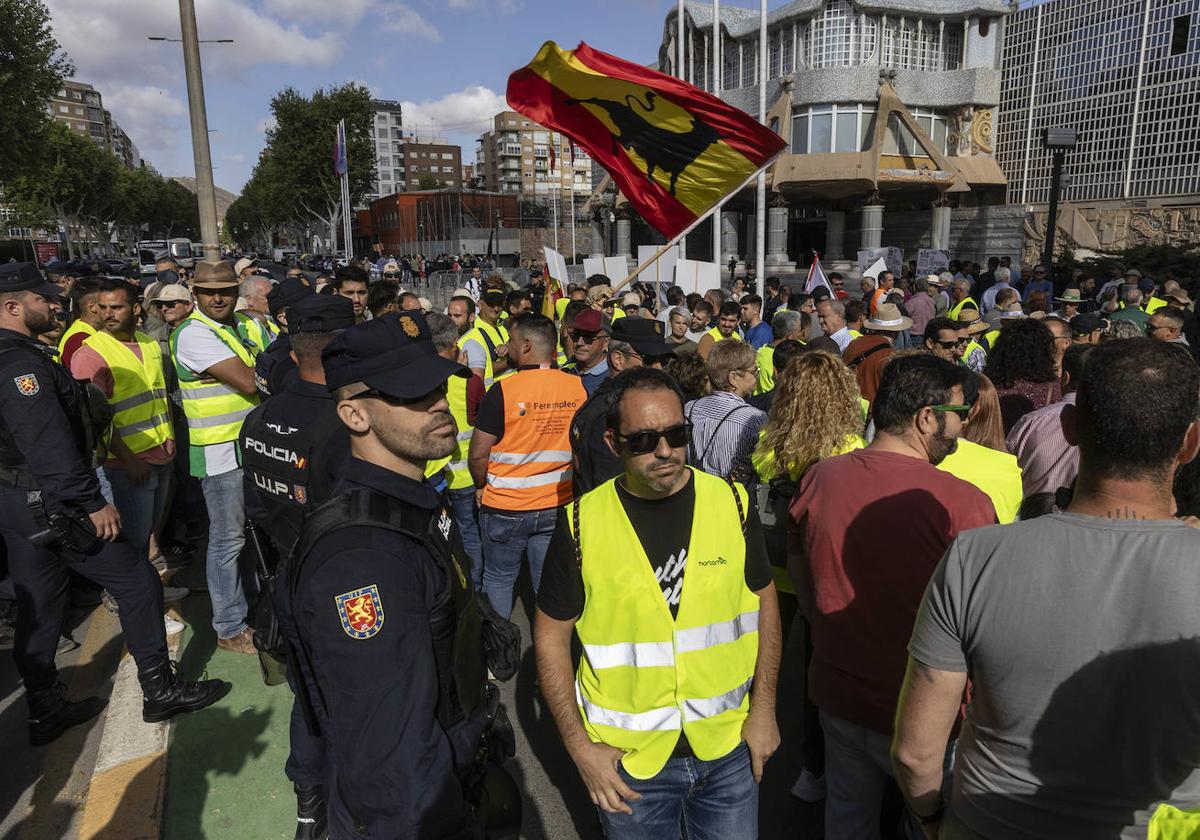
172,626
809,788
174,593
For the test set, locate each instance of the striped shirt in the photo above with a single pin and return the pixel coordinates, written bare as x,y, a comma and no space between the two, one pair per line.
725,430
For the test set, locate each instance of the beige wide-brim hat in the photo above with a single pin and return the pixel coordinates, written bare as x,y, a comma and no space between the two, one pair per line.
171,292
970,320
241,265
214,274
887,318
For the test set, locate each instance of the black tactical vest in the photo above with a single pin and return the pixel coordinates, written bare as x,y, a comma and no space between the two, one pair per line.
455,619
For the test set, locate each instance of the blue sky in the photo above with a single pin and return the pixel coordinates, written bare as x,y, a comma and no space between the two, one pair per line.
448,60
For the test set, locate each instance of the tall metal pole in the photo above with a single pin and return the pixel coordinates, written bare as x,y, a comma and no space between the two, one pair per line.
205,194
1052,218
760,215
716,91
681,72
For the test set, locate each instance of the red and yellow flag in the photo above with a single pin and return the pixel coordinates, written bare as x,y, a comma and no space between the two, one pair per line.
672,149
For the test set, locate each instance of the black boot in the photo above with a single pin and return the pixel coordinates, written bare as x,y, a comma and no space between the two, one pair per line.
165,695
311,821
51,713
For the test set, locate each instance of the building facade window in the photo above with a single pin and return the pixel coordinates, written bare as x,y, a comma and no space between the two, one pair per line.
840,38
920,44
820,129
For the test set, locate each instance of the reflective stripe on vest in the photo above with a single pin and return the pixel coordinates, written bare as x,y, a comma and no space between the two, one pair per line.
214,410
644,675
459,476
77,326
530,465
141,413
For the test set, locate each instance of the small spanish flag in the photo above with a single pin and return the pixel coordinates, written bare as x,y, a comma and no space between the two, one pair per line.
674,150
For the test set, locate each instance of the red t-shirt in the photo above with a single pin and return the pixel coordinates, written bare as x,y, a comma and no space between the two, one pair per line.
874,526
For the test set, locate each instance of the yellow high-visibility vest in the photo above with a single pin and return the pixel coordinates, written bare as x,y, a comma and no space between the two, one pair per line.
765,359
214,410
255,331
644,676
716,334
141,413
965,303
457,474
489,338
77,326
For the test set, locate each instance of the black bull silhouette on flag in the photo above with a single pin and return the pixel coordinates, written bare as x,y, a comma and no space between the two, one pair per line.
670,151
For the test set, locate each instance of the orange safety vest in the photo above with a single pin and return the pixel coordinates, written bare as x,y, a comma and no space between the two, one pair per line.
530,466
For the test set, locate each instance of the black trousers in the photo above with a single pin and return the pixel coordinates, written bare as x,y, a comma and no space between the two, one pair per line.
40,577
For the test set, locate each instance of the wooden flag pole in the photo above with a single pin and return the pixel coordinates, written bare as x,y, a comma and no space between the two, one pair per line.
675,239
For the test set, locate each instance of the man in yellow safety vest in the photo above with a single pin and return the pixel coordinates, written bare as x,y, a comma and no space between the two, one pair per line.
671,714
127,365
215,366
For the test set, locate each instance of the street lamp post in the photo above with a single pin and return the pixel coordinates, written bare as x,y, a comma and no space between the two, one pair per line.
1058,141
205,192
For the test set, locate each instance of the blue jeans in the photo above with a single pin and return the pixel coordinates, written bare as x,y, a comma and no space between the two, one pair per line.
507,537
141,505
462,504
858,764
226,538
692,799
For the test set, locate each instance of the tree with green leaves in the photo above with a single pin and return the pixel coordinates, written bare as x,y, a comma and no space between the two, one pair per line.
299,154
32,69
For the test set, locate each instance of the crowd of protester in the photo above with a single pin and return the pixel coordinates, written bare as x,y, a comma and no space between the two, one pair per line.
969,491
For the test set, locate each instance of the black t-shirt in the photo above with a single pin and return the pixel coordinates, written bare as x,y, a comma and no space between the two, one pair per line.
665,529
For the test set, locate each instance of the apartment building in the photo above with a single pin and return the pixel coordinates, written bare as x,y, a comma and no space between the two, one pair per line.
80,107
520,156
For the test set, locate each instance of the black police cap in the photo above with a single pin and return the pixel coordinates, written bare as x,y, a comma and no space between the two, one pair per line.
288,293
319,313
393,354
645,335
25,277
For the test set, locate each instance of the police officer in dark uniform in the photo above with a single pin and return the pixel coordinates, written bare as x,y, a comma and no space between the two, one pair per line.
292,447
274,367
391,633
54,520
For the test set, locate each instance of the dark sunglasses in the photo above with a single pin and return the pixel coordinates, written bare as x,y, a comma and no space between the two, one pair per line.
950,345
390,274
641,443
588,338
961,410
439,391
168,304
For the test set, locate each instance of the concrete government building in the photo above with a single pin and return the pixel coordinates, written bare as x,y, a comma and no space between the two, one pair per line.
917,123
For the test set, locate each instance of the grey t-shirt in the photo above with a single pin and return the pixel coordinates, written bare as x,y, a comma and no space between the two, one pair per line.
1081,636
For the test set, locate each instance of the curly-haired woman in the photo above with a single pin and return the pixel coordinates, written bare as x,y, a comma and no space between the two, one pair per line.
816,414
1021,366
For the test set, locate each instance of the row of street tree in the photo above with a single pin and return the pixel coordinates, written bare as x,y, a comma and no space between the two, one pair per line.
294,190
52,177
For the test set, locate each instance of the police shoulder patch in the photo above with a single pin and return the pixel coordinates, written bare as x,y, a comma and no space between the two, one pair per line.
361,612
27,384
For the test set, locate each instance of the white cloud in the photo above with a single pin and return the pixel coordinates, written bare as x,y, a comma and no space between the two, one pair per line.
150,115
107,39
405,19
345,12
466,112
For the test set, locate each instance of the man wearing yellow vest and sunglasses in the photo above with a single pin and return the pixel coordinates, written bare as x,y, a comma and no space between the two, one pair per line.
215,366
662,572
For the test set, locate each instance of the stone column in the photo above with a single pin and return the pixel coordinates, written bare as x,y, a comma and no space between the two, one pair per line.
624,236
777,231
939,237
835,235
597,239
729,240
872,226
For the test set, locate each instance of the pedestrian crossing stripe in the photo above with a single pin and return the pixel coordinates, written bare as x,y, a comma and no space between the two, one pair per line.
361,612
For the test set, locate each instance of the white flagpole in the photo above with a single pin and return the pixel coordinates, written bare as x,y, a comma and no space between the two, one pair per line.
574,252
681,73
760,252
716,91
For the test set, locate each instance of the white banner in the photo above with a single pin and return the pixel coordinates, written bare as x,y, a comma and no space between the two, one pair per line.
893,258
556,266
696,276
932,261
662,270
615,269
